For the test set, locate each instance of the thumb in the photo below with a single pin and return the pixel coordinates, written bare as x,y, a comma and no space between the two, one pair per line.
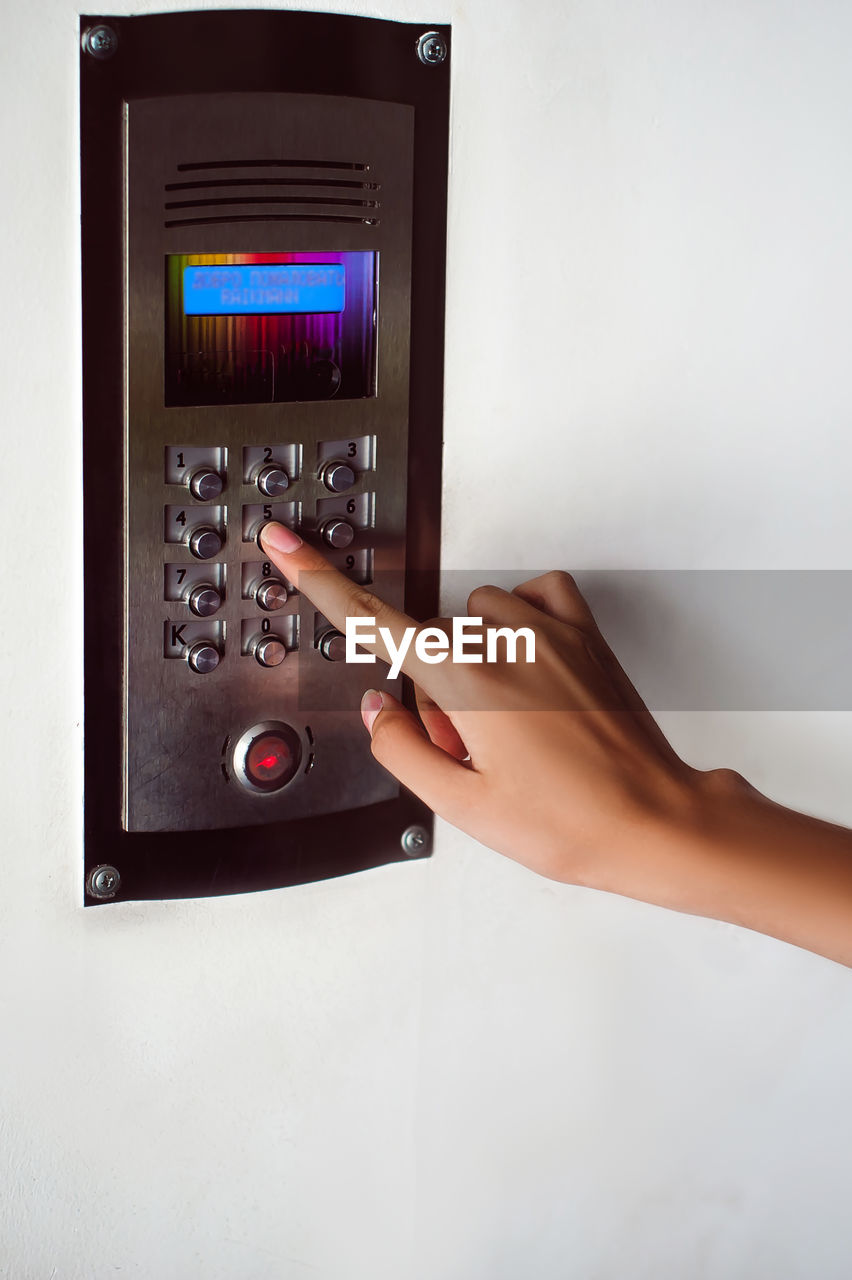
400,743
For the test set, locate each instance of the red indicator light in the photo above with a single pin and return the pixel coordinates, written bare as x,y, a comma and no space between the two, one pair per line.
272,757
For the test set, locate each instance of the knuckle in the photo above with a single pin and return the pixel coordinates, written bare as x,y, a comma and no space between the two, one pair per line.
436,624
385,740
480,598
562,578
578,637
379,734
363,604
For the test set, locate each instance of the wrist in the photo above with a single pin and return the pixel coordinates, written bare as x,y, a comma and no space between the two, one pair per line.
732,854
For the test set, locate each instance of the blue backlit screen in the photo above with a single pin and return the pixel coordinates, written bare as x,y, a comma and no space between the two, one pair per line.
291,288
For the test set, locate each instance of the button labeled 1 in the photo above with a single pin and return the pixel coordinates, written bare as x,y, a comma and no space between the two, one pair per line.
187,465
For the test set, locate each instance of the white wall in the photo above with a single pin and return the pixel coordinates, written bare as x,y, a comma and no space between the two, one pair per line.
453,1070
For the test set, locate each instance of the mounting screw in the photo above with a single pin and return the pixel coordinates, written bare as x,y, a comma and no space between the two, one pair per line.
432,48
101,42
414,841
103,881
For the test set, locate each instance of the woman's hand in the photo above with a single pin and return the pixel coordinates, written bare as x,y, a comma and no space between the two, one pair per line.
558,764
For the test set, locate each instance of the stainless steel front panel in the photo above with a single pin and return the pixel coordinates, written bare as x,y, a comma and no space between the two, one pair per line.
179,727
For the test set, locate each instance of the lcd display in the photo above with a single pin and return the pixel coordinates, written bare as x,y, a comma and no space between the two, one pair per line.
253,328
276,289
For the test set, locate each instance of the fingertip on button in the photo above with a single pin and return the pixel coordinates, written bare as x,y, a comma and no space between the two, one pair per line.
277,537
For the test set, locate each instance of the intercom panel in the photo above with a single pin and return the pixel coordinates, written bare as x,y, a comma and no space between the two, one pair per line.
263,248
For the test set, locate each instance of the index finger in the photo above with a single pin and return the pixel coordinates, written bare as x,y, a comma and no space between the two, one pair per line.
338,598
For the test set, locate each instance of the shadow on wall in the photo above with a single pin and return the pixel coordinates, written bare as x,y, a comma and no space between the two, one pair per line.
715,640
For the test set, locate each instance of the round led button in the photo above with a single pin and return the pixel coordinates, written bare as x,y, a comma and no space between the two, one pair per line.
267,756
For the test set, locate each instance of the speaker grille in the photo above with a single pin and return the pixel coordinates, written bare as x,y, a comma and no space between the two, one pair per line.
302,192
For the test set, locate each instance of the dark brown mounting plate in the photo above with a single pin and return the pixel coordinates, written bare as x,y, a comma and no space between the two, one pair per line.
240,52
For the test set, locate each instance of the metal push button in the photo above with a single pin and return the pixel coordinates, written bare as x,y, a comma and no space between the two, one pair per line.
337,476
204,600
267,756
205,484
273,481
337,533
332,646
271,595
203,657
270,651
205,543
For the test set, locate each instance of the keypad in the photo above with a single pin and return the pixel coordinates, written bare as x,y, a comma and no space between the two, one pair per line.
213,512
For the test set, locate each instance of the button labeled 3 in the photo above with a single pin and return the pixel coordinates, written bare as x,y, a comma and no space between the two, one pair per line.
337,475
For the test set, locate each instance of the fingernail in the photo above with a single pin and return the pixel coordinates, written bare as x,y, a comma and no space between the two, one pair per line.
277,537
371,704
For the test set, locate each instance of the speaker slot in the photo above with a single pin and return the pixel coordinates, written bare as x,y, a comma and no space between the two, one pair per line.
273,182
270,217
241,200
272,164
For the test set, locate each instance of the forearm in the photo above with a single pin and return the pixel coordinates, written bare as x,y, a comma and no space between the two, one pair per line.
739,857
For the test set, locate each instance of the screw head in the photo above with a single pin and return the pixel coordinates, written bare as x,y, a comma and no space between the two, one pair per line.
101,42
414,841
432,48
103,881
